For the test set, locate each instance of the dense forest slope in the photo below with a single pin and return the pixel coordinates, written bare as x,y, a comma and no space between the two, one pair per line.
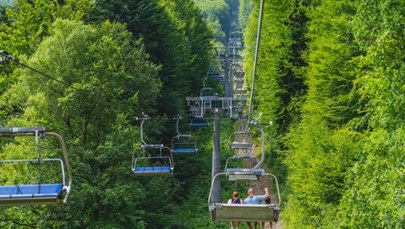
330,77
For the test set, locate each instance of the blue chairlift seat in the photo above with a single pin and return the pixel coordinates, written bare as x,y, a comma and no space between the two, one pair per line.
32,190
152,170
219,78
32,194
213,73
156,160
179,148
144,166
199,123
182,143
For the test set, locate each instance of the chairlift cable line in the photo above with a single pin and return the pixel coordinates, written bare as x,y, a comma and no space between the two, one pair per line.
6,57
259,27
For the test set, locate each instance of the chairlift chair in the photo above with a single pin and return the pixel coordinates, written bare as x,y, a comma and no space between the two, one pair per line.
182,143
156,159
241,145
243,174
240,91
213,73
37,192
242,141
244,212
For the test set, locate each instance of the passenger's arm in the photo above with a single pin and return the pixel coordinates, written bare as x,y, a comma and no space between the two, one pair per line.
267,194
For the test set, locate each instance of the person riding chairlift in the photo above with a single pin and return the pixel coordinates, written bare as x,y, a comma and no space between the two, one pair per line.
235,200
256,199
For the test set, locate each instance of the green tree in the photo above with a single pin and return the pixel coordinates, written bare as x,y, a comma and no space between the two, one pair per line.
176,38
23,26
375,197
245,9
218,15
111,79
25,23
319,147
279,82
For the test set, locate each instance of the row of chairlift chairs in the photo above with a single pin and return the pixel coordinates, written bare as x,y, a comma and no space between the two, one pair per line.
149,164
243,148
52,193
53,187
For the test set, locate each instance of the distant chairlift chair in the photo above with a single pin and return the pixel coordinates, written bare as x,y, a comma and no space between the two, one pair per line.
242,141
157,159
37,193
182,143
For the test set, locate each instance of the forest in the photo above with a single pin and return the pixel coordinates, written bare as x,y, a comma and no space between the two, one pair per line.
329,75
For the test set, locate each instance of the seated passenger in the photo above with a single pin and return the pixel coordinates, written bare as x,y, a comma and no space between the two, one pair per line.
256,199
235,200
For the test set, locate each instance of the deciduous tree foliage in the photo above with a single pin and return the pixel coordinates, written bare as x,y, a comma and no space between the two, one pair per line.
245,9
217,13
175,36
191,40
375,197
279,88
25,23
94,115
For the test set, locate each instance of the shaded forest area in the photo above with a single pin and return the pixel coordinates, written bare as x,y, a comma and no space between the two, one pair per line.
330,77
